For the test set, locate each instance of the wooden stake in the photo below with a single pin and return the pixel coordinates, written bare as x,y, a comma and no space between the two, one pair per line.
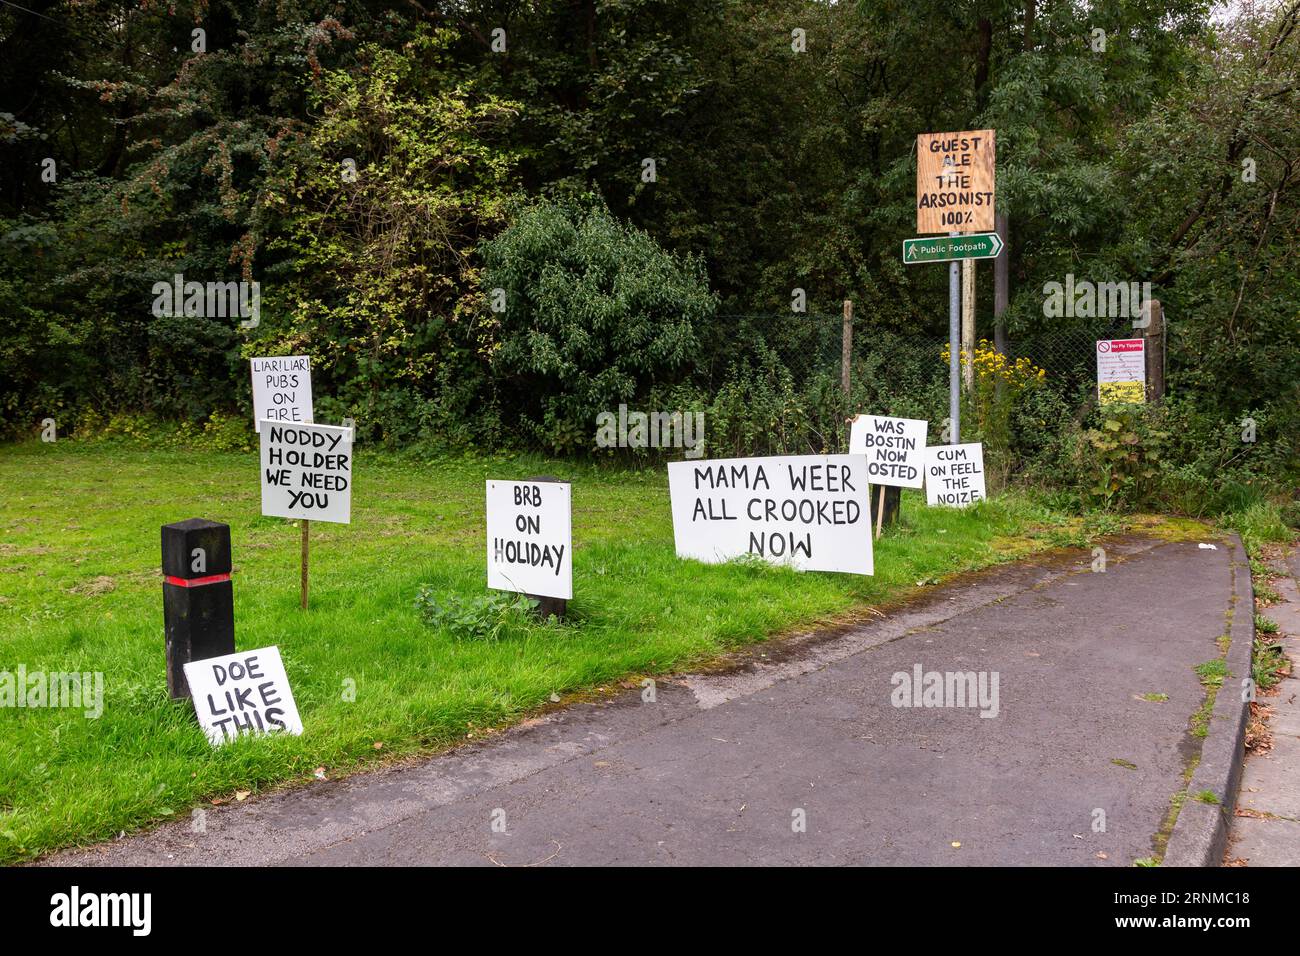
880,510
306,532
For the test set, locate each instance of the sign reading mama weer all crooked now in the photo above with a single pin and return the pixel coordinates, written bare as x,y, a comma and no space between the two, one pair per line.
807,511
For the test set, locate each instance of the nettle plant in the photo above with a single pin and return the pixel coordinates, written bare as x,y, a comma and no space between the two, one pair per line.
1127,455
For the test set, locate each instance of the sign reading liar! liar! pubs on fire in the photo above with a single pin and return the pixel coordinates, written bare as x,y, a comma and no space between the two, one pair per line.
1121,371
954,181
307,472
530,537
895,449
281,389
807,511
242,693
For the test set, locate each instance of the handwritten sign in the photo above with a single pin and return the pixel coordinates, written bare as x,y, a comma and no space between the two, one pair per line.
807,511
895,449
1121,371
307,472
530,537
281,389
954,474
242,693
954,181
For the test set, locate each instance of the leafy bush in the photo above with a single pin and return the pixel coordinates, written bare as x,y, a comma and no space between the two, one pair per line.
595,314
488,617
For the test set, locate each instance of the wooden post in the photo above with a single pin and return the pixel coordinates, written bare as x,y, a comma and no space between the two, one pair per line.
306,532
968,322
846,351
880,510
1154,346
1001,287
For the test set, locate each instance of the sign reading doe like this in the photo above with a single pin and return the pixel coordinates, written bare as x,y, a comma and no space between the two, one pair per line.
954,181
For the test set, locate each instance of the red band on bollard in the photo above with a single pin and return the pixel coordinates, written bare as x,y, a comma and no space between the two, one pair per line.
195,582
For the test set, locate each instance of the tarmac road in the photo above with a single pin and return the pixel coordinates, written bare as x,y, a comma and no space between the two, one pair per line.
722,768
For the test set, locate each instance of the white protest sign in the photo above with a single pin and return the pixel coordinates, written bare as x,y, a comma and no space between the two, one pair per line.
808,511
530,537
242,693
307,472
954,474
281,389
1121,371
895,449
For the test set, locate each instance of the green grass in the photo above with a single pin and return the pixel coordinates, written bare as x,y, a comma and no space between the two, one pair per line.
80,590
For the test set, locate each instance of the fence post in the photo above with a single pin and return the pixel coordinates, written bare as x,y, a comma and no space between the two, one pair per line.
846,352
1154,347
1001,287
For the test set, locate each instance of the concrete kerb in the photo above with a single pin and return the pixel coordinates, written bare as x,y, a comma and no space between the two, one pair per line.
1201,832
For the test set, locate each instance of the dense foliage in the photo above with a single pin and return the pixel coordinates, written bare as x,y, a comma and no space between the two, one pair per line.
648,183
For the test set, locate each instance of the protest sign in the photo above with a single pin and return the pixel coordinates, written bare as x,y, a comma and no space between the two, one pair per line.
530,537
281,389
242,693
307,472
955,181
808,511
895,449
954,474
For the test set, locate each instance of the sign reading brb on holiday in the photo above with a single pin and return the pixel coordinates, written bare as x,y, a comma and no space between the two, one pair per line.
1121,371
954,181
530,537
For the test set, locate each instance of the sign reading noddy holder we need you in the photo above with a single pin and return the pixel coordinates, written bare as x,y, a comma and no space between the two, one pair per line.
307,472
530,537
807,511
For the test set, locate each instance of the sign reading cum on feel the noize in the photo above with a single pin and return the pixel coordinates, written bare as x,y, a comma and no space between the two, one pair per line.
530,537
307,472
242,693
806,511
895,449
954,474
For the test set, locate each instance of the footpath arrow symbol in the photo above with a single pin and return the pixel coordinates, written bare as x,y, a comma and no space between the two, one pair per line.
996,241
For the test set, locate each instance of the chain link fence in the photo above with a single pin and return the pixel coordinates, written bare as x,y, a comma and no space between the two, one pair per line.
774,382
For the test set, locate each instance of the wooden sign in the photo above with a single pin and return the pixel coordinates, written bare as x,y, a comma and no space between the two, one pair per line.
806,511
530,537
242,693
281,389
954,474
954,181
307,472
895,448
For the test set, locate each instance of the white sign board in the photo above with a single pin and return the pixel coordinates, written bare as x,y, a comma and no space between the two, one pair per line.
530,537
281,389
1121,371
307,472
807,511
242,693
895,449
954,474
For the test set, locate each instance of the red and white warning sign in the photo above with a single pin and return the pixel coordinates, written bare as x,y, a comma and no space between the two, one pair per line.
1121,371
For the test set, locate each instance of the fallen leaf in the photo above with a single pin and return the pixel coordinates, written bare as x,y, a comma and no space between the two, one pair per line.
956,844
242,795
1102,856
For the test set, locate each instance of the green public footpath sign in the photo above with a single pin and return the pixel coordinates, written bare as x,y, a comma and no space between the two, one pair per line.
978,245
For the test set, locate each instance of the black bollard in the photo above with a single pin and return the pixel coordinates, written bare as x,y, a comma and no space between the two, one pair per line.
198,598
